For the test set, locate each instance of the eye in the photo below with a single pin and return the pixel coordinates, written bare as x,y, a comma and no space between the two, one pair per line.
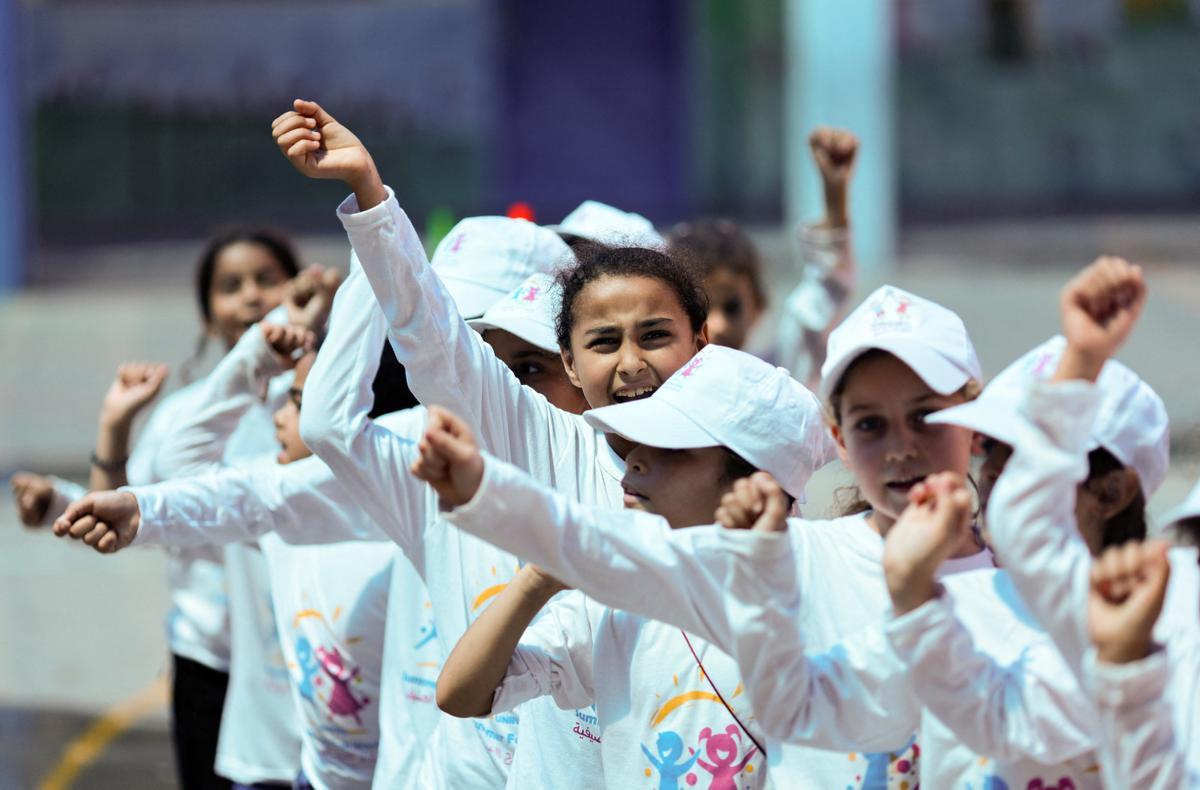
732,308
229,285
526,370
988,444
656,334
918,418
603,344
268,279
868,424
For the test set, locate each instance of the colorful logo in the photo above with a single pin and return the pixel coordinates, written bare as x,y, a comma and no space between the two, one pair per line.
892,312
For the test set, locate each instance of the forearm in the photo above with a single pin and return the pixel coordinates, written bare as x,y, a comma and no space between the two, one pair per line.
111,453
477,665
1033,710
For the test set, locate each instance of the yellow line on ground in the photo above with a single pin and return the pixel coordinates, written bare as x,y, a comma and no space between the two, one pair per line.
88,747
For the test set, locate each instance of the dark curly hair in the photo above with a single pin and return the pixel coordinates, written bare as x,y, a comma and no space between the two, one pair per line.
596,261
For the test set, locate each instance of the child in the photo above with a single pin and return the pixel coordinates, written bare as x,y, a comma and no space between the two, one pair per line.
628,562
714,422
302,502
1146,693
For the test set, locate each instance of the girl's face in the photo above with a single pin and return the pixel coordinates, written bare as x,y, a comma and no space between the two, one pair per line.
538,369
733,311
630,334
883,438
287,418
682,486
248,282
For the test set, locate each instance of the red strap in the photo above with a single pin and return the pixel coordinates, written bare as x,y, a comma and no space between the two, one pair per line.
717,691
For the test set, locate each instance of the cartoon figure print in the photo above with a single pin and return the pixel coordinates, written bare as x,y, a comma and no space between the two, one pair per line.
887,770
342,701
306,662
668,763
722,749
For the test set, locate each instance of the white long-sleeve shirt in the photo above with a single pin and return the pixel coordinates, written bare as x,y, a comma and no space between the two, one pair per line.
1148,717
848,696
449,364
1032,524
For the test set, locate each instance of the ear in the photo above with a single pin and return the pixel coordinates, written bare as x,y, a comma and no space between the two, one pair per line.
702,336
1116,490
977,445
840,440
568,361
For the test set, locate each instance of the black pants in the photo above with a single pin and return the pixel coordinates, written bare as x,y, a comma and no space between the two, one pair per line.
197,697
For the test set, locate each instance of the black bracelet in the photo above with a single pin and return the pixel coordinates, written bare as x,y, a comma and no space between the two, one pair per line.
111,467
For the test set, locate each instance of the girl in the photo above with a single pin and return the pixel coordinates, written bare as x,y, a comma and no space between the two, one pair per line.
682,577
243,274
714,422
303,503
629,319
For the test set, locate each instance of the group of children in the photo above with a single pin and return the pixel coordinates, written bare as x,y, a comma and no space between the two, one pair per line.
534,520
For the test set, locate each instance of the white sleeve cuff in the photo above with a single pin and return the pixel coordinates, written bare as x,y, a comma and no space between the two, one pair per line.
1129,685
1065,410
350,216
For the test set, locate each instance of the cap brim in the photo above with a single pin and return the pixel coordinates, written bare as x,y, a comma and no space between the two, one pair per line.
472,299
1189,508
990,416
650,422
530,331
942,376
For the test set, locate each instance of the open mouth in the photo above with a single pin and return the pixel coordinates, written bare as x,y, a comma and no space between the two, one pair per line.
905,485
633,393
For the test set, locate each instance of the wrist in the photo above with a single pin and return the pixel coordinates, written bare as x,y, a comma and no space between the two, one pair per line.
837,214
537,585
367,186
910,589
115,420
1077,363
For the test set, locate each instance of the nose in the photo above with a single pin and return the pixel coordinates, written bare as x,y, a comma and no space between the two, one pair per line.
630,363
635,462
901,444
251,292
277,418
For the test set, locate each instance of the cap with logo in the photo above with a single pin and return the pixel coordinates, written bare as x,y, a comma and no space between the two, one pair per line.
528,312
728,398
1131,422
484,258
927,337
601,222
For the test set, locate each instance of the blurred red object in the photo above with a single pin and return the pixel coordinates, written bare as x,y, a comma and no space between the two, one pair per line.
521,210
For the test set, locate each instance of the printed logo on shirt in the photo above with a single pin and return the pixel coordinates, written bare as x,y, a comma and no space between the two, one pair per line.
887,770
892,312
683,755
587,725
988,780
326,676
420,680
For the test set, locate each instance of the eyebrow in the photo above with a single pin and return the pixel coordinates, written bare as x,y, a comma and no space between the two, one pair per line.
647,324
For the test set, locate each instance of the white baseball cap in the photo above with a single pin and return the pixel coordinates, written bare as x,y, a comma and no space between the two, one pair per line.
601,222
729,398
528,312
927,337
1189,508
484,258
1131,422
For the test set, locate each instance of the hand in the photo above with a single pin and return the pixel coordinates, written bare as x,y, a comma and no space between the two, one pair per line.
755,502
105,520
450,459
1128,585
32,495
310,296
1099,308
135,385
288,342
320,147
834,151
928,532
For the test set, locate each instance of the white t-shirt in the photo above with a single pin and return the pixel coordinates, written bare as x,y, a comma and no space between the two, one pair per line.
449,364
659,721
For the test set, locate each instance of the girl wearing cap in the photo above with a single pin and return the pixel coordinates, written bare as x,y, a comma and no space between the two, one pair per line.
1146,692
641,570
302,502
670,706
